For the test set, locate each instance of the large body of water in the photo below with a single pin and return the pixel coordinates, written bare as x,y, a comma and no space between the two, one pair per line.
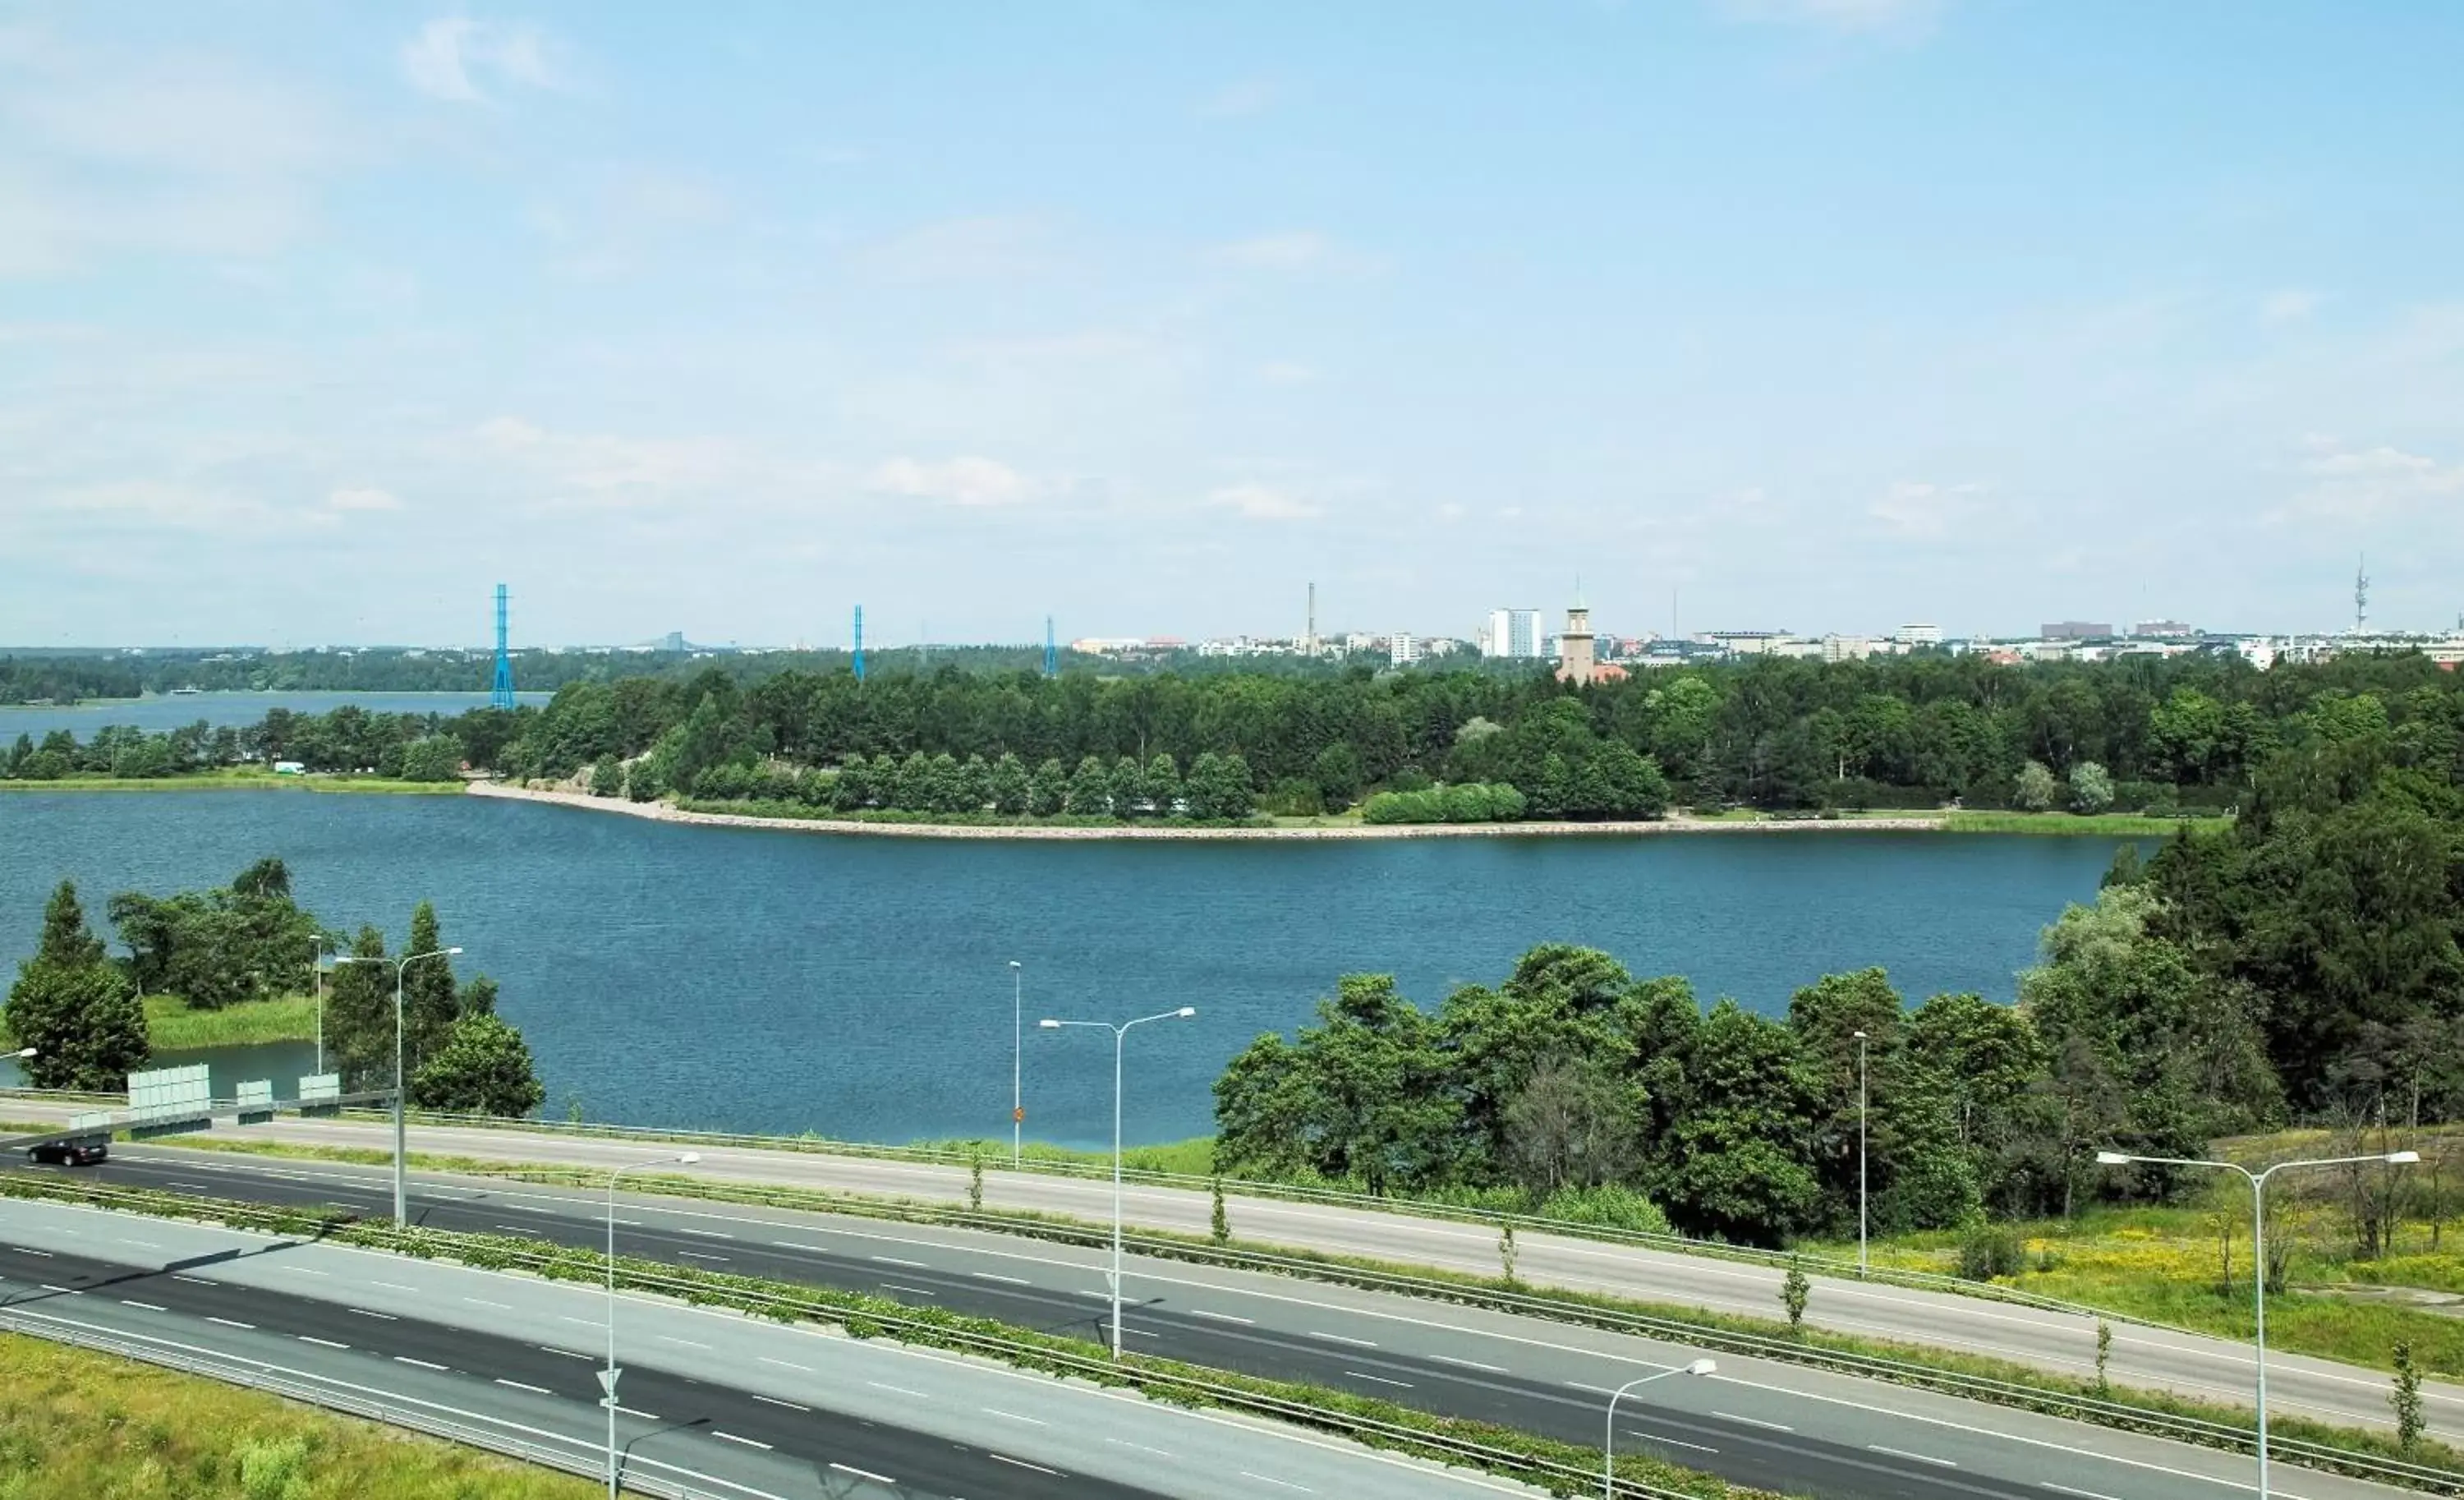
860,986
175,710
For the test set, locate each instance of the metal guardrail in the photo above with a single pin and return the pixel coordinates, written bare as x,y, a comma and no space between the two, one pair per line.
1675,1243
585,1459
2112,1414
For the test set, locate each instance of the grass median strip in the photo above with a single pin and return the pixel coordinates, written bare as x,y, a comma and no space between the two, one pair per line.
1562,1467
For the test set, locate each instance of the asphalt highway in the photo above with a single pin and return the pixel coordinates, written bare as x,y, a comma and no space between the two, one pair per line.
1773,1426
731,1405
2152,1358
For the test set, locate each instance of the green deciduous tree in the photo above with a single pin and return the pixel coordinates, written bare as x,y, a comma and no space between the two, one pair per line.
2091,788
79,1012
482,1067
2034,790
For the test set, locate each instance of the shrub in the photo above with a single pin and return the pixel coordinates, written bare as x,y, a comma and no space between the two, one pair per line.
1610,1204
1989,1251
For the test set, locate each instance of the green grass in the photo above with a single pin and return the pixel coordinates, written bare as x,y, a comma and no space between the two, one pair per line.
1195,1155
2099,824
75,1424
239,781
175,1028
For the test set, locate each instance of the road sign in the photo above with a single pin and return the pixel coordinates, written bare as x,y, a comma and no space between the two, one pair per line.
169,1100
319,1091
1018,1115
608,1382
257,1102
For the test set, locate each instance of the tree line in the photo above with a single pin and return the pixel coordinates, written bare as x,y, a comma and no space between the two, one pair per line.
1919,731
2303,964
250,942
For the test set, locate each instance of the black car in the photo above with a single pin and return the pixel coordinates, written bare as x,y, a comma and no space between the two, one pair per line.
71,1153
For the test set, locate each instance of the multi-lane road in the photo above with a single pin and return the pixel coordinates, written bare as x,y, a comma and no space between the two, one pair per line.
2153,1358
1778,1426
727,1405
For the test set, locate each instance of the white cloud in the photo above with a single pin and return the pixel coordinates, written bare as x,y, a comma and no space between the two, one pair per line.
958,481
452,54
598,470
1916,509
1262,502
2287,305
1849,16
2350,485
1241,98
362,499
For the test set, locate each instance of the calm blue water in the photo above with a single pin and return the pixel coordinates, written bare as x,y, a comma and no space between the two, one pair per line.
859,987
170,711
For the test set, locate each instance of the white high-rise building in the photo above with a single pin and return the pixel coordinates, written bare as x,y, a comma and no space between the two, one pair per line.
1514,632
1918,635
1401,651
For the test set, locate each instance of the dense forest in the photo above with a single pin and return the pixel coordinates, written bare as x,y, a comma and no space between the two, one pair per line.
1918,731
2300,964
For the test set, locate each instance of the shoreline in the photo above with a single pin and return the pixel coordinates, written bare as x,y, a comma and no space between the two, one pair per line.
661,812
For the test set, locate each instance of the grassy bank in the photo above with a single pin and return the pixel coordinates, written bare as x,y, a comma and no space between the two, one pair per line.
75,1424
239,781
175,1028
2098,824
1195,1155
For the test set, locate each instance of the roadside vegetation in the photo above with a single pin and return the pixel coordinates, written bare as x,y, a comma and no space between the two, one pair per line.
75,1424
237,779
174,1026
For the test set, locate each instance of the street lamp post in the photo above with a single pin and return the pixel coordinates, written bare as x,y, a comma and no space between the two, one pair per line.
317,978
1861,1154
1120,1036
1017,1063
400,1157
1608,1447
24,1052
607,1379
2257,1247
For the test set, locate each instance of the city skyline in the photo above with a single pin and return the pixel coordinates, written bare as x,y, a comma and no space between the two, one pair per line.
316,322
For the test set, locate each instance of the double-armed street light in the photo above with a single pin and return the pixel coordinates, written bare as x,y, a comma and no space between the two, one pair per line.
2258,1244
401,1157
607,1377
1120,1035
1608,1447
1017,1062
25,1053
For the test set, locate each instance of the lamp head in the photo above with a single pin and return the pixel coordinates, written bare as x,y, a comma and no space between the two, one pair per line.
1186,1011
1858,1035
1013,963
2403,1159
2111,1159
1704,1367
1048,1025
25,1051
688,1159
454,952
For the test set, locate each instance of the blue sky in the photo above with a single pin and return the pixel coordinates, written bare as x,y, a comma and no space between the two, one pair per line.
317,320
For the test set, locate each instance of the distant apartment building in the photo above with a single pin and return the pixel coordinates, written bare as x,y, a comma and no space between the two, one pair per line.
1512,633
2164,631
1851,648
1401,651
2075,631
1918,635
1747,643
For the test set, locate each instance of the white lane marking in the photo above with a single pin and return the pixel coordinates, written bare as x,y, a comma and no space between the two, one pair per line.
895,1389
395,1285
47,1255
1360,1343
1754,1421
773,1400
645,1416
131,1302
810,1250
864,1473
892,1260
567,1353
1362,1375
630,1224
1015,1280
478,1302
1222,1317
1470,1364
696,1255
917,1292
730,1437
1283,1484
539,1390
1124,1443
302,1270
194,1281
421,1364
142,1245
707,1234
193,1187
365,1313
325,1343
790,1364
586,1322
689,1343
1020,1463
72,1291
2083,1494
231,1322
513,1228
1921,1458
1031,1421
1642,1435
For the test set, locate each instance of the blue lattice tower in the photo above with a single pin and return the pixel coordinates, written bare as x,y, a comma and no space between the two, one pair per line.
501,695
859,643
1051,656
